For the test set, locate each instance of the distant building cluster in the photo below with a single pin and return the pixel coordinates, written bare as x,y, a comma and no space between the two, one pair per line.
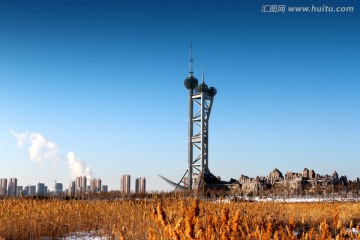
80,186
9,187
140,184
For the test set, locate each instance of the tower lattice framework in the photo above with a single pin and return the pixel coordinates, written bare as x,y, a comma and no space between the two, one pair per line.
200,101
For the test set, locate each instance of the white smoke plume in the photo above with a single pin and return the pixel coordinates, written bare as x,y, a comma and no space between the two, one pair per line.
77,166
20,137
40,148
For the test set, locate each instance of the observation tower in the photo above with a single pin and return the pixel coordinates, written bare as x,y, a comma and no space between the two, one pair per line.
200,101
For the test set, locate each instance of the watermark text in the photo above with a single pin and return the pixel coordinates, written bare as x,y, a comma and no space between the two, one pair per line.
306,9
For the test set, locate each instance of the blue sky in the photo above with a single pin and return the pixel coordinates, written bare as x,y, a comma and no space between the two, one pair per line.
104,80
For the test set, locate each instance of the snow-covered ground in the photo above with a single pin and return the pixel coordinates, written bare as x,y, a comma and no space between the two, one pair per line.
90,236
353,230
82,236
306,199
289,200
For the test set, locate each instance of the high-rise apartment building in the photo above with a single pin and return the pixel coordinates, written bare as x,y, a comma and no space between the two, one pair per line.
32,190
125,184
58,188
41,189
140,185
71,189
12,187
19,190
3,186
104,188
25,191
80,187
95,185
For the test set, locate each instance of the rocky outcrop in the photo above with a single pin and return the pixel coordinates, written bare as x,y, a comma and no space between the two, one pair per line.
306,180
305,173
312,174
308,174
275,176
292,176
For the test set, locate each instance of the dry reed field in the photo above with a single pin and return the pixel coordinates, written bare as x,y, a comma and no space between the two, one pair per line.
177,218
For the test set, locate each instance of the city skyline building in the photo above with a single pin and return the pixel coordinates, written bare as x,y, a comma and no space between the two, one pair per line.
95,185
72,188
104,188
3,187
140,185
81,184
32,190
41,189
58,188
125,184
26,191
19,190
12,187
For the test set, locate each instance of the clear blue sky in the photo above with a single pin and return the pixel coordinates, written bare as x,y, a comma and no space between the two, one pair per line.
104,80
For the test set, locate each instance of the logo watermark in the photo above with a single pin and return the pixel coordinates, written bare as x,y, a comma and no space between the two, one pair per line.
306,9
